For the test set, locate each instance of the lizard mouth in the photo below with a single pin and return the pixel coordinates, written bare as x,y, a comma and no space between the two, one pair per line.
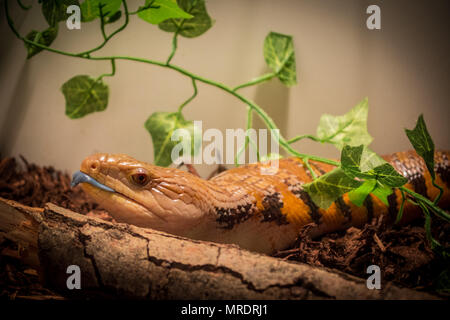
114,196
80,177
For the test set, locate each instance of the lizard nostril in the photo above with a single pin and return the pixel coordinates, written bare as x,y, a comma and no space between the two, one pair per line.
94,165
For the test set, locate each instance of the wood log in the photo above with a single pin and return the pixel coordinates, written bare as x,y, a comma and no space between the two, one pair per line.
120,260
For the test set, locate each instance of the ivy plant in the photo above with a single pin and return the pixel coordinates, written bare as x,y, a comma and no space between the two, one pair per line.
359,172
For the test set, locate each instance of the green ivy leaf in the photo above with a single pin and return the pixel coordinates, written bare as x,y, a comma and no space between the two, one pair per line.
350,160
387,175
370,160
84,95
55,11
161,11
360,161
280,57
382,192
45,37
350,128
194,27
330,186
161,126
380,177
358,195
442,282
351,157
90,9
422,143
116,16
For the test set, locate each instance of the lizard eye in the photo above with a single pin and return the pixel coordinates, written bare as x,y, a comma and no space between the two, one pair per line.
140,177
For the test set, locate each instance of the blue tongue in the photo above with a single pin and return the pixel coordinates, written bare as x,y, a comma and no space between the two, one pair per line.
80,177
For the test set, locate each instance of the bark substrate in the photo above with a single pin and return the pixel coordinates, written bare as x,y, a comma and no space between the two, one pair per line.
402,253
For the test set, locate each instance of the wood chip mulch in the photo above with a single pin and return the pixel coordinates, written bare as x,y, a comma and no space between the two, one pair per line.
402,252
34,186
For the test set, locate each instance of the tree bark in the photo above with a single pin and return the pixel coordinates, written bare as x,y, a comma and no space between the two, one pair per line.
119,260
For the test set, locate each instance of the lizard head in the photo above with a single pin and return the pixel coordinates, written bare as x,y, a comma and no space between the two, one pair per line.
142,194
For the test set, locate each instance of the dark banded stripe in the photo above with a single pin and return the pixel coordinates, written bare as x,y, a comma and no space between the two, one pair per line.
444,174
309,174
392,209
313,209
229,217
345,209
368,203
442,168
420,186
318,168
272,204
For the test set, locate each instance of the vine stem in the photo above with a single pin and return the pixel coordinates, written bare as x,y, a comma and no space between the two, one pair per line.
105,37
24,7
308,166
402,206
438,211
113,71
441,191
174,40
180,108
247,138
174,47
434,243
304,136
102,21
263,78
147,6
261,113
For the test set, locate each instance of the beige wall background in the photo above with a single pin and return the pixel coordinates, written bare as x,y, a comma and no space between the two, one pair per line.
403,69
